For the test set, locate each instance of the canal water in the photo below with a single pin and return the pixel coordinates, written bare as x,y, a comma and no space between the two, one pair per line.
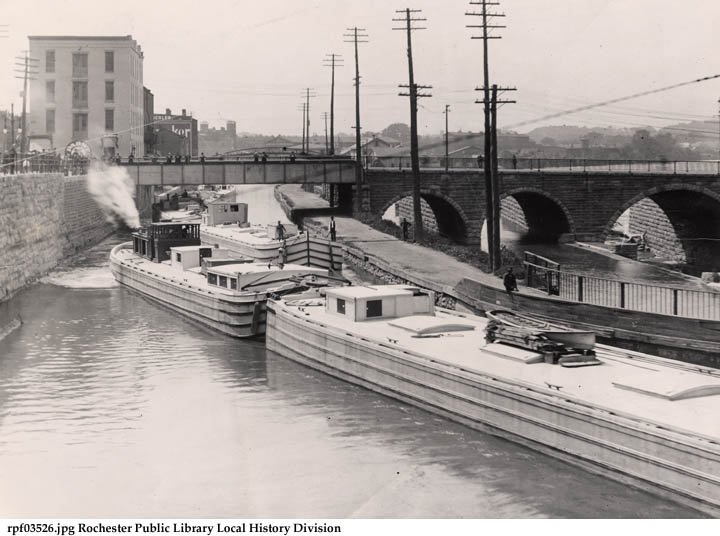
112,406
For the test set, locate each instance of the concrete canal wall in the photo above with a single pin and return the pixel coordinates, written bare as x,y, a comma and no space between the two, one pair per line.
43,219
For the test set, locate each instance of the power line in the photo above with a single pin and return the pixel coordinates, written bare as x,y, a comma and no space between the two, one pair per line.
613,101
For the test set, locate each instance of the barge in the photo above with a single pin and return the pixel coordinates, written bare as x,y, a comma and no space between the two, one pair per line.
640,419
166,263
226,224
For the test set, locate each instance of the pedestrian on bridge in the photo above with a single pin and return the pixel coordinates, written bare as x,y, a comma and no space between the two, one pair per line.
292,156
264,157
202,158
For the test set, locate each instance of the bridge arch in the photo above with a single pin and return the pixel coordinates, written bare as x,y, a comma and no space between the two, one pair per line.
693,215
451,219
546,216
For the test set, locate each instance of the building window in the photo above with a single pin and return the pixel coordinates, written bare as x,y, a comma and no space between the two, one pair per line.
109,91
50,91
109,119
80,65
50,121
49,61
212,279
80,126
80,94
223,281
340,306
109,61
374,308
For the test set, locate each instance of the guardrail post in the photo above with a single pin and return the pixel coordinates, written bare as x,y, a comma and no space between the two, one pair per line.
675,301
580,288
622,295
584,165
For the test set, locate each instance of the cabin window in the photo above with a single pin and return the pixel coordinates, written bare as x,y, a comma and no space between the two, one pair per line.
223,281
233,283
374,308
178,257
233,208
340,306
212,279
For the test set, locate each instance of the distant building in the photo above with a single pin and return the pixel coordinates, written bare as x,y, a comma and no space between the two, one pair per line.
87,88
182,125
148,115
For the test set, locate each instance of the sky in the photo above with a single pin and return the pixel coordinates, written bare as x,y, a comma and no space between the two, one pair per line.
250,60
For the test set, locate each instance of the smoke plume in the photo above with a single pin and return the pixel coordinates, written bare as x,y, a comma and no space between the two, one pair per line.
113,189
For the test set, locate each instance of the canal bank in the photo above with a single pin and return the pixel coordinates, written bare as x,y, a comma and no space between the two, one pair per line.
44,218
382,258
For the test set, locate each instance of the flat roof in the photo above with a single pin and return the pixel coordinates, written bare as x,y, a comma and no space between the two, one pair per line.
191,248
381,291
81,37
249,268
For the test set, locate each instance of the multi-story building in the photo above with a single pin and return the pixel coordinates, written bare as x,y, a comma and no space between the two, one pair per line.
88,88
184,126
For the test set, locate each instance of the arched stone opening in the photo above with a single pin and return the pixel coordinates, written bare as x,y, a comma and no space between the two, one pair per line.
535,214
441,215
680,223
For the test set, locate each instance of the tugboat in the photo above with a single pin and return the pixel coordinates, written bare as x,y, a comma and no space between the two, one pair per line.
166,263
640,419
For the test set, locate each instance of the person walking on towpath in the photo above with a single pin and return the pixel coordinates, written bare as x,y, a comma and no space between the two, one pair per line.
405,226
333,231
510,281
280,231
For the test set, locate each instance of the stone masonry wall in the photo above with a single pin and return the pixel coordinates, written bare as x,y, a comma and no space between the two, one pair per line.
43,218
647,217
511,211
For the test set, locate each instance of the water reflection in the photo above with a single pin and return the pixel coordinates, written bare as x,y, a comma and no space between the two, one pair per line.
111,406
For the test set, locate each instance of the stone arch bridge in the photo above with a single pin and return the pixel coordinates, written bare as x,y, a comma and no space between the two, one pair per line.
560,205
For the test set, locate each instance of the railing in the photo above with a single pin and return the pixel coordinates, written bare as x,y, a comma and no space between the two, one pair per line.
641,297
579,165
11,164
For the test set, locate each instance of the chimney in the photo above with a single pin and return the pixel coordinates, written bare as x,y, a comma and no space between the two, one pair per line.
184,112
167,111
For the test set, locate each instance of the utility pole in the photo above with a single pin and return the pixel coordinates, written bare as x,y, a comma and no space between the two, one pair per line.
490,207
357,37
335,60
447,143
307,118
12,124
414,95
302,151
495,174
26,70
327,144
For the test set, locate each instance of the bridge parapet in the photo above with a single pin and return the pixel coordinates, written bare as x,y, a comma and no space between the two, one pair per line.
238,172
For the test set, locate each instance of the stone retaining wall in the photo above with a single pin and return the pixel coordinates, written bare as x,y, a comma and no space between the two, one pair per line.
44,218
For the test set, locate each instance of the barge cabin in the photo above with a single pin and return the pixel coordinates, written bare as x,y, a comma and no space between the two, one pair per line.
154,242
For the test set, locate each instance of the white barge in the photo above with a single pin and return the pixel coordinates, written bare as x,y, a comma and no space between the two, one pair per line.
166,263
636,418
226,224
